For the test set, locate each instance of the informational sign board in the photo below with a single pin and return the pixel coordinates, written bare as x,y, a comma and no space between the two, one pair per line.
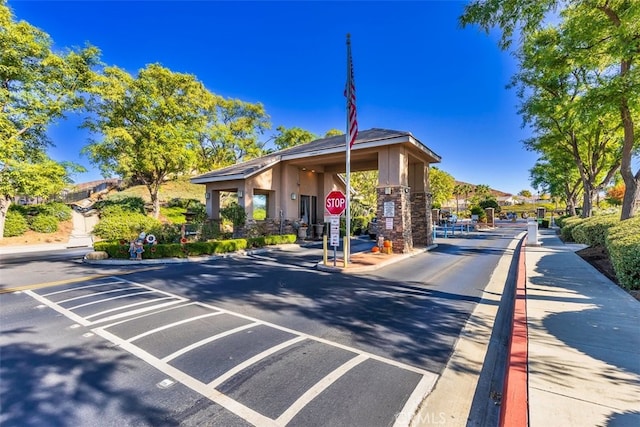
334,231
389,209
388,223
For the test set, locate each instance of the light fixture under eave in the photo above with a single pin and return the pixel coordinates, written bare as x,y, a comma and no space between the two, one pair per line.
294,196
240,193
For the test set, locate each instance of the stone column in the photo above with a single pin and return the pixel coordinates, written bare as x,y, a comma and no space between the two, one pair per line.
397,201
422,228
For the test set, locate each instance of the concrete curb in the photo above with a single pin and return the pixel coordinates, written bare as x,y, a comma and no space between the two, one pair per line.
353,269
514,410
160,261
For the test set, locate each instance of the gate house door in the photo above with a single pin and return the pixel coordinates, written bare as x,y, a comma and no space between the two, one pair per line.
308,209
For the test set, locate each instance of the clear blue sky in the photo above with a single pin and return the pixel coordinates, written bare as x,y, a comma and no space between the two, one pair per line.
415,69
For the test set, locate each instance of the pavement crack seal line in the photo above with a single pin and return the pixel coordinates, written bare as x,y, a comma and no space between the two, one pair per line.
454,390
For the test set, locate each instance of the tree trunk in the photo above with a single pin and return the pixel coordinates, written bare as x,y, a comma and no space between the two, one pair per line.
631,182
587,200
5,202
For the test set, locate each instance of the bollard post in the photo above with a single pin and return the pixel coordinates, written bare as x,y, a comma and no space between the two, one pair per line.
325,250
532,232
345,251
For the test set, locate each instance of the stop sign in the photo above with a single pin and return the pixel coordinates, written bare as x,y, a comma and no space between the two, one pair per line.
335,203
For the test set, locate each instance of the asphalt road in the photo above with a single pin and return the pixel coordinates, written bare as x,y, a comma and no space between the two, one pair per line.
263,340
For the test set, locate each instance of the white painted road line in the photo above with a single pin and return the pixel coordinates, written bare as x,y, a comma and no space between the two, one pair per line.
110,299
138,311
149,314
258,357
171,325
324,341
422,389
207,341
412,404
221,399
126,306
318,388
71,315
97,293
81,287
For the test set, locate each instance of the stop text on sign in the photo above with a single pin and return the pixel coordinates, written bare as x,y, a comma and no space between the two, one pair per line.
336,202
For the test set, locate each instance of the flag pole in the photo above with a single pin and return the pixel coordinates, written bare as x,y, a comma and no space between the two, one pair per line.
347,139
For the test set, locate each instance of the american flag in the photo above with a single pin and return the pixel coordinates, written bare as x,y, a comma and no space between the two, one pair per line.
350,93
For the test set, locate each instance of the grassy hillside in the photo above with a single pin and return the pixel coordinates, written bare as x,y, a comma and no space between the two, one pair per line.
180,188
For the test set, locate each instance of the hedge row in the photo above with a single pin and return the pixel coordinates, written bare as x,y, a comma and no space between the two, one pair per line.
120,249
620,238
623,244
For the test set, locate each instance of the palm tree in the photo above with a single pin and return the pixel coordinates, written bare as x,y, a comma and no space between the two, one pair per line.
458,190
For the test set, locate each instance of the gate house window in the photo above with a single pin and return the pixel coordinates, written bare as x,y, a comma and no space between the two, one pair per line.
260,203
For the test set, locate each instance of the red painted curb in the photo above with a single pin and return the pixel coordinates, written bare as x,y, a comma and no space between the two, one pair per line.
514,411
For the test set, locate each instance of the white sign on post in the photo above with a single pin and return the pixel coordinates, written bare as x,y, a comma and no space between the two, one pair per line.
334,232
389,209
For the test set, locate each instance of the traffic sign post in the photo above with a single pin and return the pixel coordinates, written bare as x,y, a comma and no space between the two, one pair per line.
335,203
334,235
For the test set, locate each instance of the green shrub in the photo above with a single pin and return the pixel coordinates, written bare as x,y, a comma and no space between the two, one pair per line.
167,233
234,213
119,249
256,242
359,224
210,231
477,210
127,203
280,239
21,209
43,223
56,209
567,228
490,203
175,214
623,244
593,231
560,220
15,224
113,210
125,226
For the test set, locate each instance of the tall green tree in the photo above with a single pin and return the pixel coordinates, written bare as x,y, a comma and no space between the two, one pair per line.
333,132
37,87
559,177
599,35
229,133
554,104
290,137
441,184
147,126
365,184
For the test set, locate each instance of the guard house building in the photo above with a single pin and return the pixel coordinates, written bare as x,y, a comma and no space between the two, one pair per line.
291,185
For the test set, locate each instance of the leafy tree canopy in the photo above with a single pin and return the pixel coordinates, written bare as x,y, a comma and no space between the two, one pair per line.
287,138
37,87
441,184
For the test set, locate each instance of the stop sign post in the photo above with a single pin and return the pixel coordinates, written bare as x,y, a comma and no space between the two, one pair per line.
335,202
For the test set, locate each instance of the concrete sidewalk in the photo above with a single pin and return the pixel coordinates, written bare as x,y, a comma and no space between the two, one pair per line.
583,341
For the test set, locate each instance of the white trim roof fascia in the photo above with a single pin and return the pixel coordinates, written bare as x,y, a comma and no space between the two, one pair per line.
204,179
